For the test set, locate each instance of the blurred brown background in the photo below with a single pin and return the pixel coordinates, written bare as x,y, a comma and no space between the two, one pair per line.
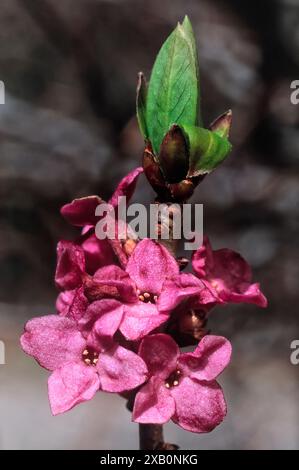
68,129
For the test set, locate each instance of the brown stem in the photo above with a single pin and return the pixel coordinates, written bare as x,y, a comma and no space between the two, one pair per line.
151,438
151,435
167,220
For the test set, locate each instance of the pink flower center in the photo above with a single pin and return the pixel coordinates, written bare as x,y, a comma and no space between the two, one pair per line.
174,379
90,357
215,285
147,297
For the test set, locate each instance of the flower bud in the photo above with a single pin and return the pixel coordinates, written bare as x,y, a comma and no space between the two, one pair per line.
173,157
222,124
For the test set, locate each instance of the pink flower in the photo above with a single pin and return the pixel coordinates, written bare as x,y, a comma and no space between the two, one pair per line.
182,387
71,273
80,366
133,307
228,274
145,293
81,213
74,261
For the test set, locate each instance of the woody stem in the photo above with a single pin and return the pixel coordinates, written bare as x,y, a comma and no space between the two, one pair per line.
151,435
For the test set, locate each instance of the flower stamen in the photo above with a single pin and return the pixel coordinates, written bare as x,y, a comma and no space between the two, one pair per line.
90,357
147,297
174,379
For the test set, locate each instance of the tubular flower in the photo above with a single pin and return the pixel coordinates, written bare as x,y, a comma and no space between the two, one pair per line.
82,213
80,367
135,291
182,387
228,274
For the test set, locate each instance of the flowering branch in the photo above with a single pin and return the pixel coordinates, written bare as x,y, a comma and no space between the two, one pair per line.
125,308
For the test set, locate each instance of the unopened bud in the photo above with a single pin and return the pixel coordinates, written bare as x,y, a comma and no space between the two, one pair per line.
222,124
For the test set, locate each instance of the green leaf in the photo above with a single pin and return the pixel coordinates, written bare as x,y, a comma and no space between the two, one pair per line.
141,104
173,93
207,149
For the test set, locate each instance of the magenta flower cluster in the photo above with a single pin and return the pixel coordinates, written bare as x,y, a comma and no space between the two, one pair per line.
108,333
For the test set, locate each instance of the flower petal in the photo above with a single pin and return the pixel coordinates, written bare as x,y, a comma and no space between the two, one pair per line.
111,281
200,407
203,258
251,294
183,288
140,319
150,264
108,322
160,353
208,360
120,370
71,385
97,253
126,187
229,274
70,265
81,212
103,316
153,403
72,303
53,340
64,301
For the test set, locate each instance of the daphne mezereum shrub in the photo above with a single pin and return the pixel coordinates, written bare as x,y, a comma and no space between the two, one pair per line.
125,309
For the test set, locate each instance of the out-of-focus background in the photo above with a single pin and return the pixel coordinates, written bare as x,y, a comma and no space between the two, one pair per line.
68,129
